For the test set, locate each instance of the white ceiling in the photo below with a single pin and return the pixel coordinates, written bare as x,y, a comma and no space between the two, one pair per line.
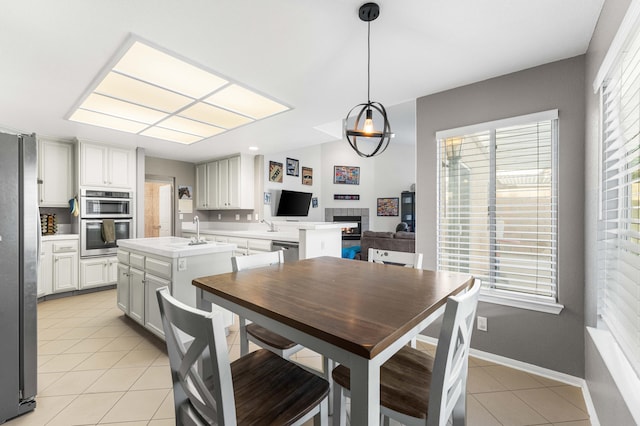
309,55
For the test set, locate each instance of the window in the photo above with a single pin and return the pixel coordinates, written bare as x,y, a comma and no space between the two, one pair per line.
619,225
497,217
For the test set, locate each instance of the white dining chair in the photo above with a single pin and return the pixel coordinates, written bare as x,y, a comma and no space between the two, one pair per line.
416,389
410,260
260,388
251,332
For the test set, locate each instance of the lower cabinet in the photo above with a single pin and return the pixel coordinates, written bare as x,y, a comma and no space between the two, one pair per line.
136,295
98,271
123,288
152,319
58,269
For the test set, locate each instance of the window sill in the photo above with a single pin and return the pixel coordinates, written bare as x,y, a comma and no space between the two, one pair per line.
521,303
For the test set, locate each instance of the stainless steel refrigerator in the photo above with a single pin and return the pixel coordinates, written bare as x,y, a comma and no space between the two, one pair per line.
19,245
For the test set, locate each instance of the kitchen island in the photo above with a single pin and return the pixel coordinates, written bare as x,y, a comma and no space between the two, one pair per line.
315,239
146,264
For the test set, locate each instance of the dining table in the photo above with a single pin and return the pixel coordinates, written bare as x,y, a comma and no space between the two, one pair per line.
356,313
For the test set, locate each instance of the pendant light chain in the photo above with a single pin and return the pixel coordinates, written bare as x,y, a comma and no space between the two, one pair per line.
369,61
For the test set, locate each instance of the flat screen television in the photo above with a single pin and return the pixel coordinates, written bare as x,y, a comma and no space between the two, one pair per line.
294,203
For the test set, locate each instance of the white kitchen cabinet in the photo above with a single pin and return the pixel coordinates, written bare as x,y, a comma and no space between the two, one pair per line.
55,173
107,166
99,271
225,184
136,295
152,318
45,269
206,188
123,288
58,269
65,271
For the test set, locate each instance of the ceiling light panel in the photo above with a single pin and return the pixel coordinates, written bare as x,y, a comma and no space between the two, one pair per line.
117,108
152,93
103,120
190,126
244,101
215,116
156,67
171,135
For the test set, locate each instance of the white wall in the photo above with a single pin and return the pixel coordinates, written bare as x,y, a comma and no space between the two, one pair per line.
386,175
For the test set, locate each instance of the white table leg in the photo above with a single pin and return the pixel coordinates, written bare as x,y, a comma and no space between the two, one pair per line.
365,393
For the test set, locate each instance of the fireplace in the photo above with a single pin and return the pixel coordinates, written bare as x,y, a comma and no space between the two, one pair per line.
350,233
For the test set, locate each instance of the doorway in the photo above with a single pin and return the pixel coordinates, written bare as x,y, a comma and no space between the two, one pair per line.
158,206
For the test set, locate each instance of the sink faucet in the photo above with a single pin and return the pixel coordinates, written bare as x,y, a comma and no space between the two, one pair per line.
196,220
272,226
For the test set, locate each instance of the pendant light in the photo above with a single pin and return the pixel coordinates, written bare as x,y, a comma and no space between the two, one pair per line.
370,113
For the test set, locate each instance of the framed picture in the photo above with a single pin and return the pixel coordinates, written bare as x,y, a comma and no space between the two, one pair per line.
293,167
346,196
275,172
314,202
307,176
347,175
388,206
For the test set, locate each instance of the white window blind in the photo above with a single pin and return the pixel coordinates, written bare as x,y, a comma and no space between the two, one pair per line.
497,213
619,237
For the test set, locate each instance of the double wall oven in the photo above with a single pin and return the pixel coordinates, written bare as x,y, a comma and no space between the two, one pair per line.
96,207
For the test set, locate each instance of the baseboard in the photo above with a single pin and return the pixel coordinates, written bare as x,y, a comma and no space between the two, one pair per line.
533,369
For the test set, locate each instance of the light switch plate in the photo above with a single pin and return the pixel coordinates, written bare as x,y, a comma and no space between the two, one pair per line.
482,323
237,216
182,264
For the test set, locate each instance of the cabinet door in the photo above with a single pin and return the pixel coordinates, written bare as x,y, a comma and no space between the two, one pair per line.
123,288
201,186
112,270
136,295
93,165
152,319
213,191
233,184
65,271
120,168
45,269
56,173
223,183
93,273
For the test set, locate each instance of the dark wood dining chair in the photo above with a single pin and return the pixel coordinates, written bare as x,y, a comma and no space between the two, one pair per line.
416,389
259,388
252,332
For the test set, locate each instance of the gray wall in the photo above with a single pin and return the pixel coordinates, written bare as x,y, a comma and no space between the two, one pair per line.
551,341
184,174
604,393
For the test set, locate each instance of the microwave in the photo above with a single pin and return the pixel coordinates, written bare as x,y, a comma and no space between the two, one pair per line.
105,204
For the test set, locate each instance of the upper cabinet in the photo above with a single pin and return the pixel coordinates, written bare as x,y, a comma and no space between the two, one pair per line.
55,173
107,166
225,184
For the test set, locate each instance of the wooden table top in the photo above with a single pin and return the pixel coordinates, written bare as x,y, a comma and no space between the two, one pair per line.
362,307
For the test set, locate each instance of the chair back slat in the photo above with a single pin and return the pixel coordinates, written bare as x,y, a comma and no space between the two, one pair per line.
448,383
410,260
196,342
240,263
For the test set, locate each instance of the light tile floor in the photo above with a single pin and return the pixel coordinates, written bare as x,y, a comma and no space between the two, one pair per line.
96,366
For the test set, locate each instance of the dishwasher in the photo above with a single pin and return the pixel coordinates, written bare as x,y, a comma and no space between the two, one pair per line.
290,249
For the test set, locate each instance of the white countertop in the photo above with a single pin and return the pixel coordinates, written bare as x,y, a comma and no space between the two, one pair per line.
290,230
173,247
60,237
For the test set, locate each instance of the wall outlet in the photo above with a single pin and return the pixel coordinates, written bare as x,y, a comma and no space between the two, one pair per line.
182,264
237,216
256,216
249,217
219,216
481,323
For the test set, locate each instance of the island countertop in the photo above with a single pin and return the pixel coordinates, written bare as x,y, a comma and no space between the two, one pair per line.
174,247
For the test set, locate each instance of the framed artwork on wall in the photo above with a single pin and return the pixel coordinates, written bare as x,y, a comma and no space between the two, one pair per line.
307,176
388,206
275,171
347,175
346,196
293,167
